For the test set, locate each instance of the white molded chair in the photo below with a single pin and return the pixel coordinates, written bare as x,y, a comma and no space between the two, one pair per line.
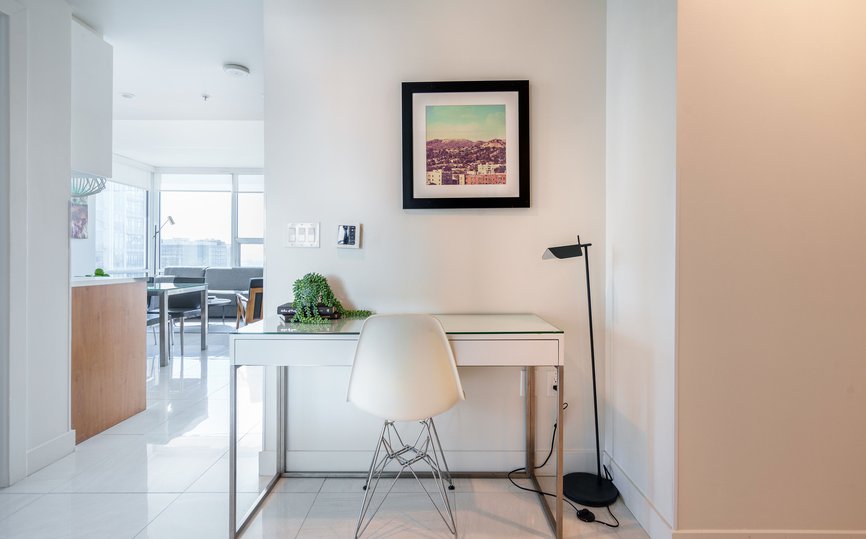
404,370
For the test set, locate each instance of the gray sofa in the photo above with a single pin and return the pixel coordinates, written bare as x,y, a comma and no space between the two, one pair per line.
221,282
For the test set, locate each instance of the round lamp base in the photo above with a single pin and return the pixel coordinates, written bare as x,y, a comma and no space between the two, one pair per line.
589,489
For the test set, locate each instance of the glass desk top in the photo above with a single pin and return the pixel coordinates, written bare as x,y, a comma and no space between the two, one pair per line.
454,324
163,287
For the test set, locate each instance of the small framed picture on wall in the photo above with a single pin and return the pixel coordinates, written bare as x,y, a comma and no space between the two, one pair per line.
78,218
466,144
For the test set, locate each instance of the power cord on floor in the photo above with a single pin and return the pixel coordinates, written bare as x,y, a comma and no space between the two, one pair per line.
584,515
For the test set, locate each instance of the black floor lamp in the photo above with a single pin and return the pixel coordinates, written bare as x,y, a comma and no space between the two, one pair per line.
593,490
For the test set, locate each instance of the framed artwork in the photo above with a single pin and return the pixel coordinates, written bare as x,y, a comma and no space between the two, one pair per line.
466,144
78,218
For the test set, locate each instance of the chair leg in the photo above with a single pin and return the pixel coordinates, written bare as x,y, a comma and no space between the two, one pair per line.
433,461
424,449
442,453
369,486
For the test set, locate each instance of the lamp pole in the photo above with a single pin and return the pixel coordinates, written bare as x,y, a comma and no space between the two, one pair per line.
156,231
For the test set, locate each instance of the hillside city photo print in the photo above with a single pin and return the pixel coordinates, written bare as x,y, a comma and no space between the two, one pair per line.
465,144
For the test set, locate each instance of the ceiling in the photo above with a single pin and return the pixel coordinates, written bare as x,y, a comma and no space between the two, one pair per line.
170,52
191,143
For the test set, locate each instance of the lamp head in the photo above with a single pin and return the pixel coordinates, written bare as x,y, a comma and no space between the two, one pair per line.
170,219
563,251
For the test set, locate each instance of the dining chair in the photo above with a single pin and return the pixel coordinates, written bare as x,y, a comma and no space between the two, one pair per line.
250,306
404,370
181,306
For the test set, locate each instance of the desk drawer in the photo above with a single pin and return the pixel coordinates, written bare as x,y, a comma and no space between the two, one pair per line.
294,352
506,352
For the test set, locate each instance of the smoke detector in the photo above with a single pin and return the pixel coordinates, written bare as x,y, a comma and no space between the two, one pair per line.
236,70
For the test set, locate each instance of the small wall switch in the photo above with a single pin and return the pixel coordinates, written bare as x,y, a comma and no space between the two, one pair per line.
302,235
349,236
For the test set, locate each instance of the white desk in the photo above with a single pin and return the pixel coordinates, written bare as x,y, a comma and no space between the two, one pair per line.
478,340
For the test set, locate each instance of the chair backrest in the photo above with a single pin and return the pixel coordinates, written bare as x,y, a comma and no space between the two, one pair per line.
236,279
185,271
254,307
404,368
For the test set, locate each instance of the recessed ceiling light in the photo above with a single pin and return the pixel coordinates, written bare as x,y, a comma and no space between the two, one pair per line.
236,70
127,95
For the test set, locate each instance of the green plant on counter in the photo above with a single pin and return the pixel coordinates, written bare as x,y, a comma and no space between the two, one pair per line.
313,290
98,272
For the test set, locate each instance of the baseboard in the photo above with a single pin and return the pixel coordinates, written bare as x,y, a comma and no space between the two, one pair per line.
581,460
656,526
770,534
50,451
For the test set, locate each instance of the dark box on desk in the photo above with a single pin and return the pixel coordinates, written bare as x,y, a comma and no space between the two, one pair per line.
287,311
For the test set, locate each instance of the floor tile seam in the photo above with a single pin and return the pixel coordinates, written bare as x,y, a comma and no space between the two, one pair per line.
164,509
39,495
194,481
111,492
306,515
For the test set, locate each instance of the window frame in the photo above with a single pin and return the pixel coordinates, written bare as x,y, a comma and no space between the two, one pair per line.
235,250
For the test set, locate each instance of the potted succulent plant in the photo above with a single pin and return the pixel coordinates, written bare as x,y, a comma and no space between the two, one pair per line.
315,302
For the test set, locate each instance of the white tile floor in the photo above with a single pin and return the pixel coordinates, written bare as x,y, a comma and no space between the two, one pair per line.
163,474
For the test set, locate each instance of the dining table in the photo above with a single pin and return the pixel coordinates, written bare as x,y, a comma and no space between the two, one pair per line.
165,290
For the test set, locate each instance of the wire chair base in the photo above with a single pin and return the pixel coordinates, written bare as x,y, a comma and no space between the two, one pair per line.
426,449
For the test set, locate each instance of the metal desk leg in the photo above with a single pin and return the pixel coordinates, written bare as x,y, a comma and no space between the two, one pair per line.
204,319
233,450
163,330
560,437
530,452
529,392
282,418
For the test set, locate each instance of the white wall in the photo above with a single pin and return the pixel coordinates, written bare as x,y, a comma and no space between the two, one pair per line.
771,343
39,191
333,153
641,250
4,247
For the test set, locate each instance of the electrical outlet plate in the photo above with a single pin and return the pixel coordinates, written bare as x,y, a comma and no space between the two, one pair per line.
302,235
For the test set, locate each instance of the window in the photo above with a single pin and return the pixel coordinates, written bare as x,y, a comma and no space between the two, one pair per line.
121,228
251,219
219,219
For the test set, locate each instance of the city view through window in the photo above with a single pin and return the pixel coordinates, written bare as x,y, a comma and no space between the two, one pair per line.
120,228
204,208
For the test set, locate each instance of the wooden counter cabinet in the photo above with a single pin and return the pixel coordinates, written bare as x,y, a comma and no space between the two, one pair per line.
108,354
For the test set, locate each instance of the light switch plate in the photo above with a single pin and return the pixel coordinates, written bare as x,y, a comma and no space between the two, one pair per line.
302,235
349,236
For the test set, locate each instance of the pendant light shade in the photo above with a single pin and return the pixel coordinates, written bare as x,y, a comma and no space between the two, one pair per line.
84,186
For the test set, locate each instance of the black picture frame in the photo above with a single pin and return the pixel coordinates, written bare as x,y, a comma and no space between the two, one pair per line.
418,192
